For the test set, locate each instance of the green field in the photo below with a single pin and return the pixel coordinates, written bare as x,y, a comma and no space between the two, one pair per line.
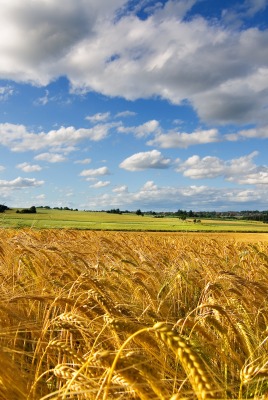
126,222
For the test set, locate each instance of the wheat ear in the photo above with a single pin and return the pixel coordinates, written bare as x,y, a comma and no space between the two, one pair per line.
192,363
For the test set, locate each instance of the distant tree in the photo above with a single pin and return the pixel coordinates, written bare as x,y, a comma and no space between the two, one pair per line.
31,210
3,208
139,212
114,211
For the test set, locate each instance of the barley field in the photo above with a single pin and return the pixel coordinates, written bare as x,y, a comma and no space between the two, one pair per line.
110,315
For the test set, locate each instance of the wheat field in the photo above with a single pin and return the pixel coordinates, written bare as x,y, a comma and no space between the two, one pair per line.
99,315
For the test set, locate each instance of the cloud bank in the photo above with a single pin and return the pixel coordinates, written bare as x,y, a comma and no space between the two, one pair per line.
105,47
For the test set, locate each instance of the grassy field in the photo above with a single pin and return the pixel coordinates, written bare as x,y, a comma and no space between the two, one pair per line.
129,222
93,315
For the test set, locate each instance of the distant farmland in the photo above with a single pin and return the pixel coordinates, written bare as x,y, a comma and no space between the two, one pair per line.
125,222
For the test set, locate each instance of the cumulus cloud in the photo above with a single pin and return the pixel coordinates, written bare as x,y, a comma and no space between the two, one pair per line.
184,140
259,176
241,170
150,196
50,157
20,183
144,160
149,185
196,168
143,130
121,189
236,101
18,139
26,167
260,132
92,173
100,184
24,25
99,47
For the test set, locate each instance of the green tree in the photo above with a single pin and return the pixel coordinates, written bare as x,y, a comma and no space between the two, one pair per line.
139,212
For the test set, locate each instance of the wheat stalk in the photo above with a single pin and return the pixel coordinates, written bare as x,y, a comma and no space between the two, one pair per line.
195,368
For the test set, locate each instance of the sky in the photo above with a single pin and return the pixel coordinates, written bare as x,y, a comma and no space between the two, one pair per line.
139,104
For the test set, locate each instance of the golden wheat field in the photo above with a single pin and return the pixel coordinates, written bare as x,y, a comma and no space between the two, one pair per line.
99,316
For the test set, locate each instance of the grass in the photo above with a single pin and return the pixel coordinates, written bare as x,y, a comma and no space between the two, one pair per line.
126,222
125,315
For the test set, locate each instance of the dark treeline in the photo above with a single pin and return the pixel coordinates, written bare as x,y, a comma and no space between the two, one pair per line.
183,214
3,208
58,208
31,210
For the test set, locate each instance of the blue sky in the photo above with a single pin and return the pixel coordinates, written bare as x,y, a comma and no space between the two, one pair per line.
157,105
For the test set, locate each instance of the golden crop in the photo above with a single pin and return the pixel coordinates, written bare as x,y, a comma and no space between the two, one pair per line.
99,315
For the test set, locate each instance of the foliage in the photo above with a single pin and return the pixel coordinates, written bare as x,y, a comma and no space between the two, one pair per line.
139,212
114,211
3,208
31,210
98,316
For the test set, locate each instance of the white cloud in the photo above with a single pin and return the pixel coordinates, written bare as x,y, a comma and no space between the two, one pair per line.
143,130
18,139
243,10
259,176
184,140
91,179
261,132
126,113
26,167
2,168
50,157
100,184
20,183
196,168
190,197
24,25
241,170
114,52
149,185
43,100
99,117
85,161
91,173
173,138
145,160
6,92
41,197
121,189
